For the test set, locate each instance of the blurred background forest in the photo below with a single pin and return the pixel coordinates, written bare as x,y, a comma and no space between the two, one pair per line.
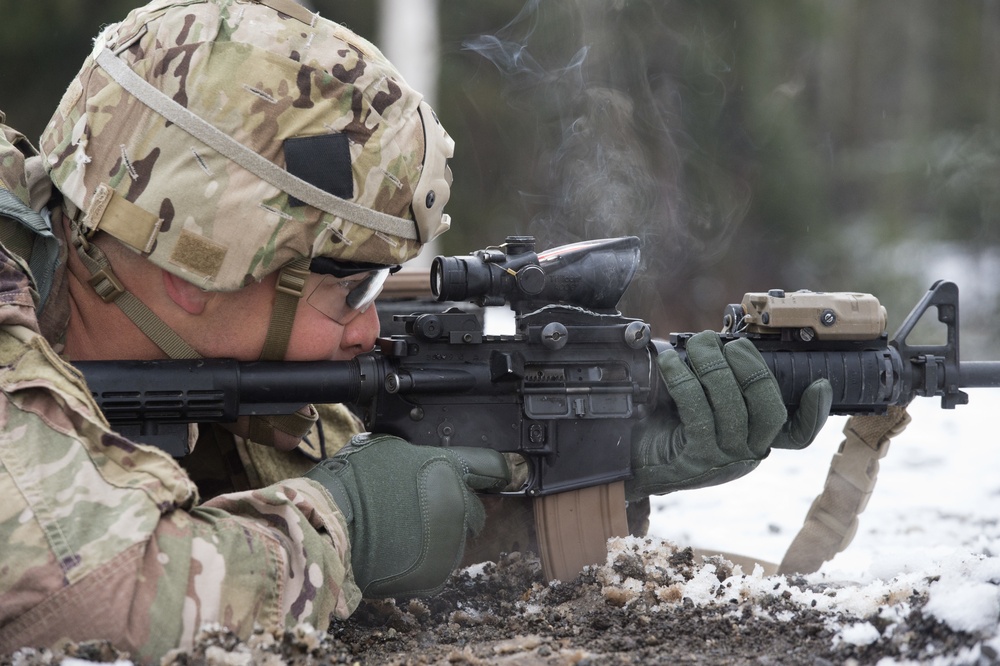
830,145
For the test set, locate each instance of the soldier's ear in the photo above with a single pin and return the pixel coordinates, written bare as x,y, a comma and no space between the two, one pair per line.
192,299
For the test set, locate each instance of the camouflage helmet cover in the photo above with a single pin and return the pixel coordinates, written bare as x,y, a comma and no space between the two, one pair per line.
178,136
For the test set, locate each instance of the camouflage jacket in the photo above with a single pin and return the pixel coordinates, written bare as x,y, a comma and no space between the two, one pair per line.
105,538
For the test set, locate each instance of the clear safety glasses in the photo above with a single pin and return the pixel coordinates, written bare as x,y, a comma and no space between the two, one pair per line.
346,294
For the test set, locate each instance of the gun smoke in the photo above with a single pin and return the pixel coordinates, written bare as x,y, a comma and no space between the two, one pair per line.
597,84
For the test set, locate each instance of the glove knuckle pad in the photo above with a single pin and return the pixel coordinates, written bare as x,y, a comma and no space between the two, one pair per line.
442,508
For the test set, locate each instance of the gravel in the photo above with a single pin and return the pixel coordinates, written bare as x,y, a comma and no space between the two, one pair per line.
653,603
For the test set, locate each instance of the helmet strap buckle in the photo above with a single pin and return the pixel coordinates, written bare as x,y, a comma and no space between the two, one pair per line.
292,280
111,290
106,284
291,285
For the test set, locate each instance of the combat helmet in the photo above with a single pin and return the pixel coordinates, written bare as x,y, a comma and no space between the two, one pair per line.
228,139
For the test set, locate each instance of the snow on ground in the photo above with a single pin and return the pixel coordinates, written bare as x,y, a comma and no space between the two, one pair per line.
931,525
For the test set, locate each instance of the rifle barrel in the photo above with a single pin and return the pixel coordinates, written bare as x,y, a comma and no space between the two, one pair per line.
979,374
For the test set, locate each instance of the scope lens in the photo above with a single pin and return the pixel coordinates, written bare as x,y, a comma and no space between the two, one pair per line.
436,285
448,279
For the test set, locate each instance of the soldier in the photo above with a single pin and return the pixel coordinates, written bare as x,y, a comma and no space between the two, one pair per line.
227,178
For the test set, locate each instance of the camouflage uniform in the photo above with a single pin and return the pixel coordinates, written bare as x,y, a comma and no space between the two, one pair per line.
105,538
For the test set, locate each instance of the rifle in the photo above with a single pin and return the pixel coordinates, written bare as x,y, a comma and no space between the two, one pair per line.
564,390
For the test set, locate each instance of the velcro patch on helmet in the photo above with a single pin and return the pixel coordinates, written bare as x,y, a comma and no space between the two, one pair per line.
198,254
323,161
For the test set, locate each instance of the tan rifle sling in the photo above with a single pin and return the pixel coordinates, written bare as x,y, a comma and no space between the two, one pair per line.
832,520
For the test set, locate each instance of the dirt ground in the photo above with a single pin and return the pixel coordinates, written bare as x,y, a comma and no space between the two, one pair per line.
629,612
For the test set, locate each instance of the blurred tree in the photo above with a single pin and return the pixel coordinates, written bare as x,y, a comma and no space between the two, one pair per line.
42,45
831,144
820,145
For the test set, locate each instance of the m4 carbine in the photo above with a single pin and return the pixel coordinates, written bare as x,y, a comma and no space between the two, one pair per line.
563,390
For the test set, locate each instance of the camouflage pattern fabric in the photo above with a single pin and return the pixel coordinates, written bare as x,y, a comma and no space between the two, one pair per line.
260,77
223,463
104,538
13,176
335,427
92,521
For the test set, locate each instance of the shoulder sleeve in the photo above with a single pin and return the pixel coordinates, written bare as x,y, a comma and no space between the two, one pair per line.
14,150
25,225
95,521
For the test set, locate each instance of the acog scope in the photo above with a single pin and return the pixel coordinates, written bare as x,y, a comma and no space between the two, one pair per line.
590,274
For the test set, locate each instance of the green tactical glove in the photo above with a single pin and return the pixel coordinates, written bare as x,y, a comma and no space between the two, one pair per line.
721,418
408,508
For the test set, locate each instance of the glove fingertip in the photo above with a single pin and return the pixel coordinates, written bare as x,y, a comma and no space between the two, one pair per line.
745,345
810,417
482,469
709,340
823,391
666,358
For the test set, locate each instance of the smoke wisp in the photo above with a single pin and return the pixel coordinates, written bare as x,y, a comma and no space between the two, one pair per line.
600,91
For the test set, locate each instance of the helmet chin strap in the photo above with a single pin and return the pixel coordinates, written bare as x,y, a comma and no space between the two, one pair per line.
110,289
291,282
